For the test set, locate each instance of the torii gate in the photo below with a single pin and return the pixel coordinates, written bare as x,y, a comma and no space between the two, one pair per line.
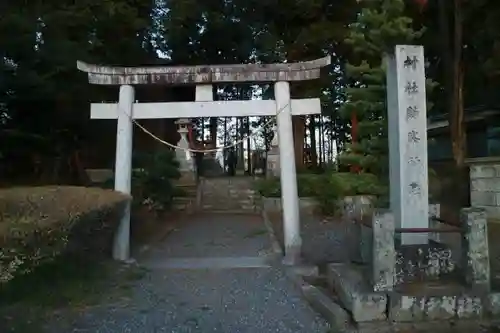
204,106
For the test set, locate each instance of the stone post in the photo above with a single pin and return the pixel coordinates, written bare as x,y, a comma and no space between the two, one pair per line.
407,119
289,194
476,260
353,229
123,168
434,212
360,236
384,251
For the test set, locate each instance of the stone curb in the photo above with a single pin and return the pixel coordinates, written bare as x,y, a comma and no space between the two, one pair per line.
338,318
277,250
335,315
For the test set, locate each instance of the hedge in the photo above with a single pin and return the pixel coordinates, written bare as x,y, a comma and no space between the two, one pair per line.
38,224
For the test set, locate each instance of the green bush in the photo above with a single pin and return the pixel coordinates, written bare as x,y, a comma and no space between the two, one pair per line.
152,182
351,184
271,187
337,185
268,187
327,187
152,179
38,224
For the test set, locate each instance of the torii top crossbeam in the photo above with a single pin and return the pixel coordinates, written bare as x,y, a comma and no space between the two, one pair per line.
179,75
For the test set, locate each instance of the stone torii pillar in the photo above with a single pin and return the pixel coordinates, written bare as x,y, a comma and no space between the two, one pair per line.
204,77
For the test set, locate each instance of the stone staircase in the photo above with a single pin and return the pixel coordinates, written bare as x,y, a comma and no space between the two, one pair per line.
211,168
228,194
188,199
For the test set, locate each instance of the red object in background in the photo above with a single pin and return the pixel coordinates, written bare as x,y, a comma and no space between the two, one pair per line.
421,4
354,137
354,127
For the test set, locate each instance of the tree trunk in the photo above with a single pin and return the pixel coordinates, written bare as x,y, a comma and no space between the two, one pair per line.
241,156
202,121
457,124
452,45
249,150
224,151
312,133
321,141
330,145
213,130
298,138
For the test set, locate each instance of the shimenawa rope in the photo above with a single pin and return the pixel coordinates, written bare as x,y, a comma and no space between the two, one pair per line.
252,135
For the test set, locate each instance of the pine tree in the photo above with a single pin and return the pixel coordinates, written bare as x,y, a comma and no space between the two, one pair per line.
380,26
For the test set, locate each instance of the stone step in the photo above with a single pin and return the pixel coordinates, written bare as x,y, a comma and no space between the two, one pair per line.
183,199
227,204
228,194
229,182
350,284
227,201
229,188
230,211
226,191
188,191
227,197
229,208
184,203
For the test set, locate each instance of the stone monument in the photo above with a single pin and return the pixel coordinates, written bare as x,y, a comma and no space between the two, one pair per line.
407,117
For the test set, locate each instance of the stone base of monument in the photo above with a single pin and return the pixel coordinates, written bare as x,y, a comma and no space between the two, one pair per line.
425,262
430,306
393,287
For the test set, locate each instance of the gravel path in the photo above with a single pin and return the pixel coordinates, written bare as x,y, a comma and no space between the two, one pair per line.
323,241
200,297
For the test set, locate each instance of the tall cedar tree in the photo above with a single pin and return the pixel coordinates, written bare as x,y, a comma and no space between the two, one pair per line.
380,26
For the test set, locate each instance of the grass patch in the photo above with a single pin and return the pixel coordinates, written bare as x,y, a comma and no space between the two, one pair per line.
69,282
66,284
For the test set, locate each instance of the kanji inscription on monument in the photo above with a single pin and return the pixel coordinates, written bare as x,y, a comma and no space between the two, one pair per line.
415,188
411,112
414,160
411,62
413,136
407,115
411,88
